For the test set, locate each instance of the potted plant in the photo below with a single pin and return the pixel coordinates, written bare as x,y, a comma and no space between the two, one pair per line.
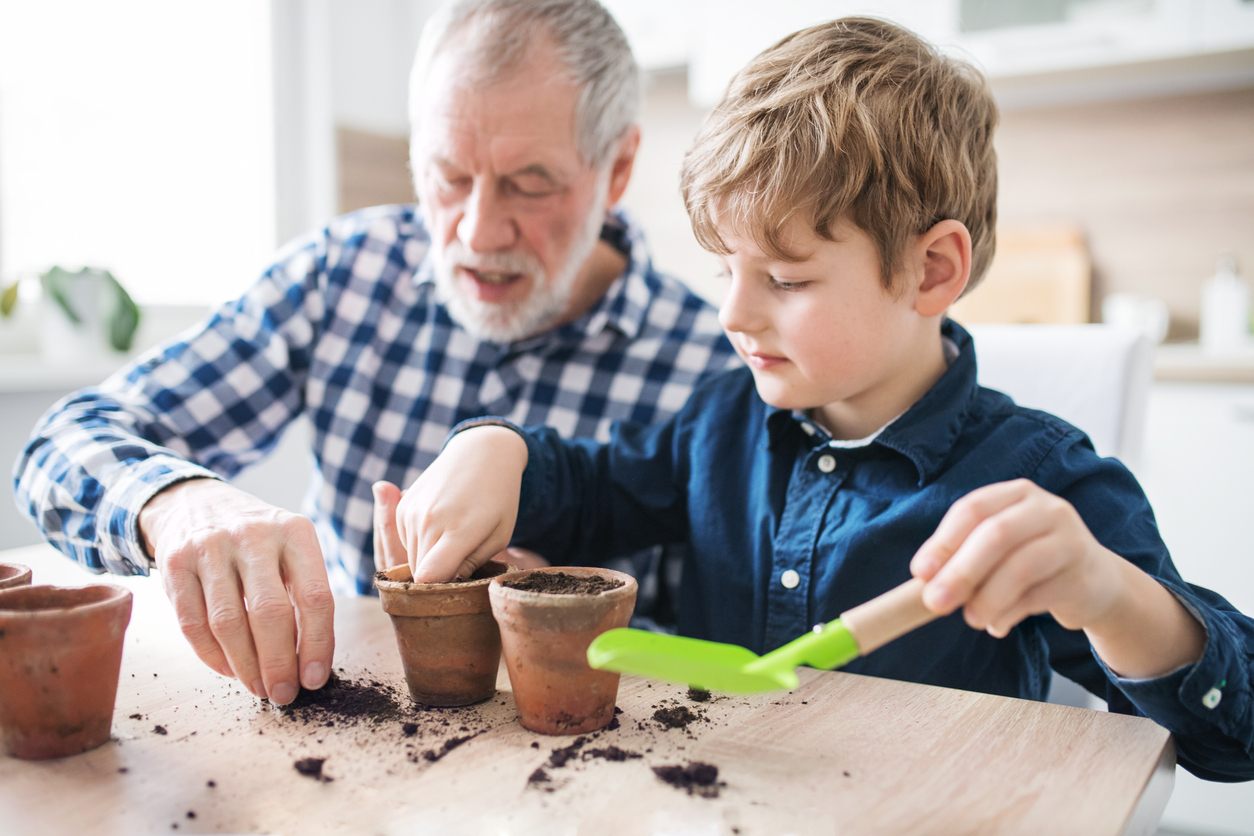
548,617
449,642
84,312
60,655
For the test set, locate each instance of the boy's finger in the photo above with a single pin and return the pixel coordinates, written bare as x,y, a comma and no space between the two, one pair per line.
958,523
999,601
988,544
1034,601
389,550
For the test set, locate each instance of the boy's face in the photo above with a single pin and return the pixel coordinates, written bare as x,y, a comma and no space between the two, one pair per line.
823,334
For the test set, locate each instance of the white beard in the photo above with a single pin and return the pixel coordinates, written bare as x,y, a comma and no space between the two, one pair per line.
544,305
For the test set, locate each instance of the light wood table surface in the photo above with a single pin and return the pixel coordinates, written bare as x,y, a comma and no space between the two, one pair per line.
840,754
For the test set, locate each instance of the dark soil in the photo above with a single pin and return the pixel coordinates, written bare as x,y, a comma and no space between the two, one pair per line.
696,778
698,694
433,755
560,583
677,717
347,700
559,757
160,730
611,753
312,768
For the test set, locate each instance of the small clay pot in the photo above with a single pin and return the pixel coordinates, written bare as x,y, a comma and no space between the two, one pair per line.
14,574
60,654
450,645
545,640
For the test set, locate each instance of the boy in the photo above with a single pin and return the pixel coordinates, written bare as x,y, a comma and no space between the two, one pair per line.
848,182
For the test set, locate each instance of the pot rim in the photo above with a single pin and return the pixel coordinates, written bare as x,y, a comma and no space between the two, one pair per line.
527,596
405,585
18,570
112,596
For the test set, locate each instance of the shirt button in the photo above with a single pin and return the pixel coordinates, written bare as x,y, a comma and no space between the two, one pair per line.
827,463
1210,699
790,579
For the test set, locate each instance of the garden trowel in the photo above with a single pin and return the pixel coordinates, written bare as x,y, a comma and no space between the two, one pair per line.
728,667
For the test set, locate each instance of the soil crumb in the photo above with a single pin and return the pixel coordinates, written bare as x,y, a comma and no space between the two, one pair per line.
611,753
345,700
560,583
160,730
698,694
409,729
677,717
559,757
312,768
449,745
696,778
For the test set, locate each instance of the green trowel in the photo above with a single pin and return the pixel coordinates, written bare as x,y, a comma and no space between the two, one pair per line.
727,667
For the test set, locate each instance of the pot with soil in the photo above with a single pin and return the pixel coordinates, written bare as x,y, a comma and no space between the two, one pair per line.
449,642
60,655
548,617
14,574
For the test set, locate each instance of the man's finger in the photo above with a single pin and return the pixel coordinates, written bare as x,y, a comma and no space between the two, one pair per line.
315,607
272,621
228,619
187,597
389,550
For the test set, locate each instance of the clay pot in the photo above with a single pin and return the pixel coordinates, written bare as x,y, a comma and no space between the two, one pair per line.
450,645
14,574
545,640
60,654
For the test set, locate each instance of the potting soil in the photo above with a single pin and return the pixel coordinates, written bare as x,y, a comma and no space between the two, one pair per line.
561,583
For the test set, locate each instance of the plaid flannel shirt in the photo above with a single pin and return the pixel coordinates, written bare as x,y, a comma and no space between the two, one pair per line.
345,328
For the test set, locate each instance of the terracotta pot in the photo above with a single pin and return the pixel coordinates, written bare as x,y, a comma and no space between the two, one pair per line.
450,645
60,654
545,640
14,574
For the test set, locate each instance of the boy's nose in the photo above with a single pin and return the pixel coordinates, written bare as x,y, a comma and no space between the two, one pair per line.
486,225
737,311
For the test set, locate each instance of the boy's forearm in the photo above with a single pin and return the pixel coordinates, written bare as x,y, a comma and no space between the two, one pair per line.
1147,633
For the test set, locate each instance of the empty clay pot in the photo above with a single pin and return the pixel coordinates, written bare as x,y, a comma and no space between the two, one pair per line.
60,654
545,640
14,574
450,645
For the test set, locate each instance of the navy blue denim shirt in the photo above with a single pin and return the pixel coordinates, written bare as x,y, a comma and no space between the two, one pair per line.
785,531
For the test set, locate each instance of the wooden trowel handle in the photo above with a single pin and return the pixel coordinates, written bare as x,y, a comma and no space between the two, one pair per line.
884,618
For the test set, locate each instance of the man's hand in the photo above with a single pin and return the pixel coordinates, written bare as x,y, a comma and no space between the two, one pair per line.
247,583
461,511
1010,550
389,551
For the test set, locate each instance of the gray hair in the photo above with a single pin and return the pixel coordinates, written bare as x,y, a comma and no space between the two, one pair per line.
497,35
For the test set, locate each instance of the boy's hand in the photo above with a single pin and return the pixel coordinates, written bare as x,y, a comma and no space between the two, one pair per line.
1010,550
461,511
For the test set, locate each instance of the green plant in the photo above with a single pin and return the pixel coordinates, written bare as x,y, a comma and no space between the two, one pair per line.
123,318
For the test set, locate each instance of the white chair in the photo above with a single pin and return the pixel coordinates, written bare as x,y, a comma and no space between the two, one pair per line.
1096,377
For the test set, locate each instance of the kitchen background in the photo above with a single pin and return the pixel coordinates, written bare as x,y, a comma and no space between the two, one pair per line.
178,144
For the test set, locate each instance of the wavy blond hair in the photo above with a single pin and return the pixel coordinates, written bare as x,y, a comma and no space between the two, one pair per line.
859,119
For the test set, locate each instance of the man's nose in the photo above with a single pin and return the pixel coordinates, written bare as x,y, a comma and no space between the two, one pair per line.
486,225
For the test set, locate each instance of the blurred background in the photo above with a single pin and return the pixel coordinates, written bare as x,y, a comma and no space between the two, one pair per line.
176,145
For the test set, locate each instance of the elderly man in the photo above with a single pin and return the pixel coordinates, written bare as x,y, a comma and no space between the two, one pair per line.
517,291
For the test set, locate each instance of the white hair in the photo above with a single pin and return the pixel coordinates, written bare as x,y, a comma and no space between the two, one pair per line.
497,35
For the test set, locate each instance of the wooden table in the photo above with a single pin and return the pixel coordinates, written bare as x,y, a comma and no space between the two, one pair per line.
840,754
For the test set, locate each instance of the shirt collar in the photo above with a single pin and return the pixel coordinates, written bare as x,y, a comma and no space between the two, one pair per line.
924,433
624,305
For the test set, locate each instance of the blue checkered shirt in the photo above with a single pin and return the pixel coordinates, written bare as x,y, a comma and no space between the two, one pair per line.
345,328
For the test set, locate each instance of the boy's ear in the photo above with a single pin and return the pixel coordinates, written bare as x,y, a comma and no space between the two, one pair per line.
945,251
624,160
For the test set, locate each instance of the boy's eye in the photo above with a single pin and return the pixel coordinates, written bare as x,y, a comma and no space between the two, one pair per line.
786,286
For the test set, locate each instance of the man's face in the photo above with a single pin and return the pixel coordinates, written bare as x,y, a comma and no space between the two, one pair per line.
513,210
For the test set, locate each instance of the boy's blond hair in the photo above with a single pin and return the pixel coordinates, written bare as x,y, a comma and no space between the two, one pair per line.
857,119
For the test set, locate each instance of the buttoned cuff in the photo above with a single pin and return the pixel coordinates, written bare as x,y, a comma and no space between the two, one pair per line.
121,548
1214,691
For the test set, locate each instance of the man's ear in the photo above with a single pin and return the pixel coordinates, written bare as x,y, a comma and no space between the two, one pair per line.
624,159
945,250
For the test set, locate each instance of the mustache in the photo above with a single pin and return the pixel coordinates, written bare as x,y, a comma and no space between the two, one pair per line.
459,255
